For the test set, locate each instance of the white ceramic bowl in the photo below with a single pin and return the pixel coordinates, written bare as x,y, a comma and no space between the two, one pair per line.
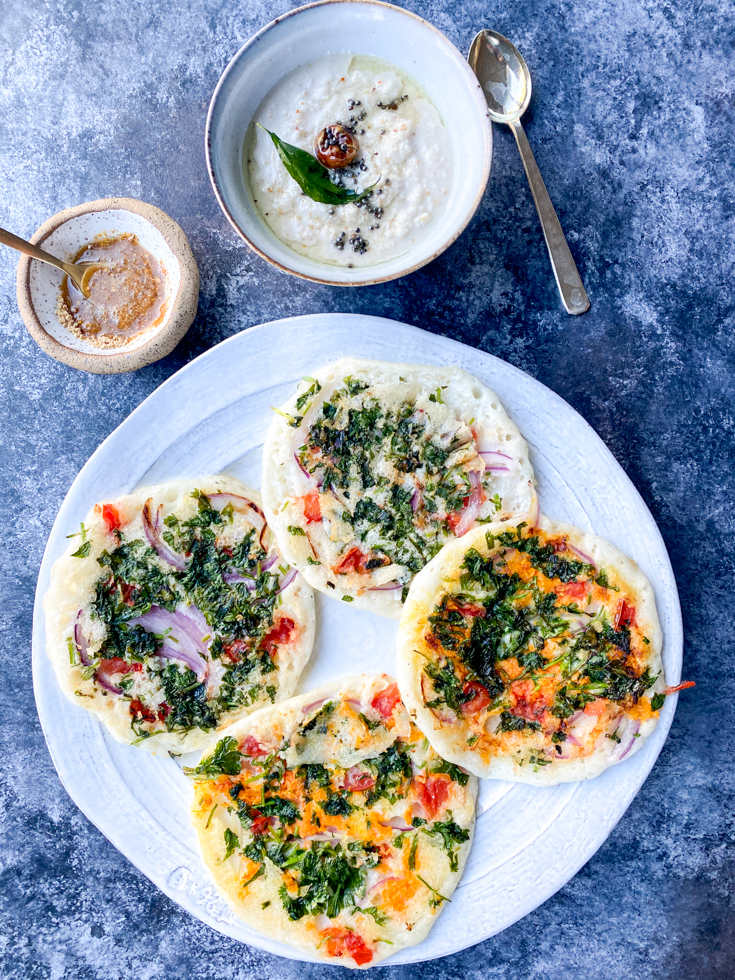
365,27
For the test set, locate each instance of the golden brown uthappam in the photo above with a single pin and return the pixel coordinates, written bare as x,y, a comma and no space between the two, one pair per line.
371,467
331,825
532,654
173,614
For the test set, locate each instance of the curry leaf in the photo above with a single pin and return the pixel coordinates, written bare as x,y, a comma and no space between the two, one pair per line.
312,177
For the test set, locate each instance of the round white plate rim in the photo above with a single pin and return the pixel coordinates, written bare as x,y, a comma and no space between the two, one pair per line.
450,351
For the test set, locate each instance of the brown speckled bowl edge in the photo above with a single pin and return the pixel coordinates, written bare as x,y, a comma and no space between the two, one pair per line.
184,306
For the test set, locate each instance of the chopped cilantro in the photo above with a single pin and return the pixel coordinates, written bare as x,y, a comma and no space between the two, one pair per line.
232,842
450,835
330,878
225,760
436,898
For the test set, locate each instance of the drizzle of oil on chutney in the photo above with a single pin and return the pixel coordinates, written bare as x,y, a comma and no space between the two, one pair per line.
127,294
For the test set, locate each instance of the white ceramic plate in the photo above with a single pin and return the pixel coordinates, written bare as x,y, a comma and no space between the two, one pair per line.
212,415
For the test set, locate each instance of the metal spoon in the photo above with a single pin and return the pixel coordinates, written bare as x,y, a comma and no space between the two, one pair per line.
506,82
79,272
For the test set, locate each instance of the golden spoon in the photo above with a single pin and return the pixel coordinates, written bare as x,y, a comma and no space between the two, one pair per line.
79,272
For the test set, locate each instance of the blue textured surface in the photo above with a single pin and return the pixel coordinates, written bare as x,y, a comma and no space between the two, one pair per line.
632,123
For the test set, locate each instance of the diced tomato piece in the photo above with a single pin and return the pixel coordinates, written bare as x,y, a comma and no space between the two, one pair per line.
280,633
434,791
344,942
128,593
111,517
312,508
164,710
115,665
573,591
472,609
236,650
625,615
252,747
528,702
139,710
137,667
260,823
480,698
455,517
353,561
385,701
356,781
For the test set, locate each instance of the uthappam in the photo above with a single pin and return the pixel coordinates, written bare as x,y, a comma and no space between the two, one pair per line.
331,825
532,653
173,614
372,467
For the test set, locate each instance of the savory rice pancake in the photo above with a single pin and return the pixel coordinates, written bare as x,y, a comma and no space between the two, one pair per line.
532,654
331,825
371,467
172,613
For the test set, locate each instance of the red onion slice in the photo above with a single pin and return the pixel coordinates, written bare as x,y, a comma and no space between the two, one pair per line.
315,704
397,823
626,732
494,452
192,660
472,507
381,881
489,457
156,542
269,562
416,499
287,580
80,641
388,587
235,578
188,626
580,554
192,620
102,681
246,507
303,469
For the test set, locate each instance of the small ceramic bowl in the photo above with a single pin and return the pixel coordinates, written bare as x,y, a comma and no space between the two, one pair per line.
365,27
63,236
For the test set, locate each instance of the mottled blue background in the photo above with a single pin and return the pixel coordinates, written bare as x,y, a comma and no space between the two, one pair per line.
632,122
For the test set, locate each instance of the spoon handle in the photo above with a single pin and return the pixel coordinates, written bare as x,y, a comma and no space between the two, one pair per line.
21,245
568,280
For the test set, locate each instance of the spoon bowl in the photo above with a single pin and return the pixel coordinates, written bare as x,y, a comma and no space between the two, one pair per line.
503,74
